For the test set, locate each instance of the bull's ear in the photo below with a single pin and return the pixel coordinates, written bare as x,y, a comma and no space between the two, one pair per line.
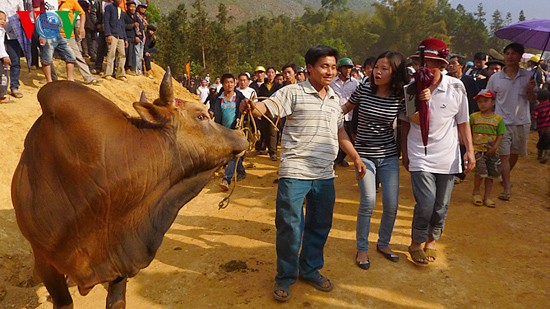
166,95
151,113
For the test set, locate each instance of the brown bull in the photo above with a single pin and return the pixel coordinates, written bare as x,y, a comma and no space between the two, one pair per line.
96,190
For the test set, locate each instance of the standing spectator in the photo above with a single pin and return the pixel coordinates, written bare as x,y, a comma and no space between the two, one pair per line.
344,85
131,27
139,48
289,74
203,91
493,66
72,6
259,73
192,87
115,35
309,147
541,115
57,43
226,112
88,48
487,131
149,49
10,8
514,88
377,105
247,91
268,136
368,65
479,70
432,167
218,84
102,47
301,75
4,61
454,69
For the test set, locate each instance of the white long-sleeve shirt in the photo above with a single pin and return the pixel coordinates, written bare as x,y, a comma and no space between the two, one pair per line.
10,7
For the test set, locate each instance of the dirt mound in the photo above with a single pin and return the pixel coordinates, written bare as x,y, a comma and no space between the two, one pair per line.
486,258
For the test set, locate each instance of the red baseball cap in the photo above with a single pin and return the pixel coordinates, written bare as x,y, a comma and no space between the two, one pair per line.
485,93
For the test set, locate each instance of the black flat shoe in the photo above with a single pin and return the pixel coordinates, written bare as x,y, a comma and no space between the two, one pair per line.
362,264
390,256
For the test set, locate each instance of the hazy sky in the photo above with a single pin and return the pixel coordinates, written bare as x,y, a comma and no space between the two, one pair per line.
533,9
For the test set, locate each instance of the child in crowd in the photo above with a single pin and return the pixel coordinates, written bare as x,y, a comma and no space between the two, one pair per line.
487,130
541,115
4,62
225,111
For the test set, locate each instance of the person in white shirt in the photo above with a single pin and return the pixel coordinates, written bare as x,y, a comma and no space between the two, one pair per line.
4,61
243,81
203,91
432,166
10,7
344,85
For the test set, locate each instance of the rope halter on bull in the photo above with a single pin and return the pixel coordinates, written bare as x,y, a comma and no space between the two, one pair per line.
252,135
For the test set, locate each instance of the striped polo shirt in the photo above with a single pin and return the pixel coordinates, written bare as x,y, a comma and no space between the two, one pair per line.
375,134
310,136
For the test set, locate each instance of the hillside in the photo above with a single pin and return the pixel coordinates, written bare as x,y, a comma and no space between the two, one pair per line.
248,10
211,258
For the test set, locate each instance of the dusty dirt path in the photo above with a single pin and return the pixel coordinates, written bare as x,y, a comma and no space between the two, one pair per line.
226,258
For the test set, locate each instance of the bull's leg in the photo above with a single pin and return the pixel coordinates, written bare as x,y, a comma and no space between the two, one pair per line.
55,283
116,296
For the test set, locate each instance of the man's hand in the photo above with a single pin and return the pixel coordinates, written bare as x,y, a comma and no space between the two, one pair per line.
125,44
6,60
360,168
492,151
246,106
425,95
81,32
42,41
109,39
469,161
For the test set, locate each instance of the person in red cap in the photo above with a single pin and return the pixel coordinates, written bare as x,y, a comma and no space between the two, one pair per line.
488,128
432,166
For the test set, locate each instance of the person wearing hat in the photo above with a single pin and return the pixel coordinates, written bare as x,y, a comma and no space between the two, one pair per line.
432,166
259,73
487,131
493,66
344,85
301,75
514,89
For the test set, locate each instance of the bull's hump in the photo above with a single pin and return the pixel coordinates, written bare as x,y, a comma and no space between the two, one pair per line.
65,100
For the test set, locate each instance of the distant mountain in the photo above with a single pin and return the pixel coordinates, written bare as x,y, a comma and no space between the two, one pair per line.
248,10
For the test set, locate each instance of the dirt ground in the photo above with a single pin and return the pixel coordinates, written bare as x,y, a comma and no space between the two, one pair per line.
226,258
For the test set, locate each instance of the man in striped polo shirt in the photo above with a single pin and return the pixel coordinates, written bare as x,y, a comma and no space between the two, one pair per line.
309,147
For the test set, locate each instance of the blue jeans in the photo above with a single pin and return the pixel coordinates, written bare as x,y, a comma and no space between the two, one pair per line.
295,230
60,45
387,170
432,193
15,52
230,169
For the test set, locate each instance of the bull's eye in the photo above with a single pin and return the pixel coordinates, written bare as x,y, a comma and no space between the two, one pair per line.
201,117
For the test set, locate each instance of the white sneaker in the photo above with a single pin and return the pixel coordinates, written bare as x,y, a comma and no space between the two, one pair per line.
224,185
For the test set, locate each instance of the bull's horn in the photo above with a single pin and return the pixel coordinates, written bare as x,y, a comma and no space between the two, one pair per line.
143,97
166,89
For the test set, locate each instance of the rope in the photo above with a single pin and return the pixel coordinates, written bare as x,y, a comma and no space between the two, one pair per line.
252,136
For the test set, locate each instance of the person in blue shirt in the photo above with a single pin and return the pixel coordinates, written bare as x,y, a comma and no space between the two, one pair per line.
225,111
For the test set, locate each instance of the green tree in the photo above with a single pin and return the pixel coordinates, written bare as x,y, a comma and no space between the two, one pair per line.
521,16
173,34
496,23
480,13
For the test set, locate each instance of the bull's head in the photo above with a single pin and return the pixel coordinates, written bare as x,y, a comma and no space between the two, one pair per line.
199,140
